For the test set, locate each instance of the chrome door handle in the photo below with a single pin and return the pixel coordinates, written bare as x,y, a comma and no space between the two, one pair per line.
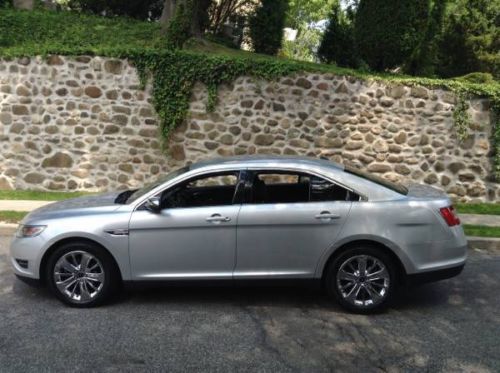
327,215
216,218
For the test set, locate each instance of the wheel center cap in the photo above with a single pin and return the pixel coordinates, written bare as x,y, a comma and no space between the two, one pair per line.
362,279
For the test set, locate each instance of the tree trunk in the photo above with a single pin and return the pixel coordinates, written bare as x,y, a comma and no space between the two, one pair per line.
167,14
24,4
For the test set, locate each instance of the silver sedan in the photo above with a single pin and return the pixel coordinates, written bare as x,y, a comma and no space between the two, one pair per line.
250,218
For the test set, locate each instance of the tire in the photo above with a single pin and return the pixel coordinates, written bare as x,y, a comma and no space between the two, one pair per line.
362,292
82,274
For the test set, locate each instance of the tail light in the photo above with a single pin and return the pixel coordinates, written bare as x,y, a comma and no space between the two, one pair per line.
449,216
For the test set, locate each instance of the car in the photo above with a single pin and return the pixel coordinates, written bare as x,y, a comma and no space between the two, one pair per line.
246,218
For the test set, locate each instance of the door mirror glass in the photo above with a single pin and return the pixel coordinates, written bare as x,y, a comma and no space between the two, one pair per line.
153,205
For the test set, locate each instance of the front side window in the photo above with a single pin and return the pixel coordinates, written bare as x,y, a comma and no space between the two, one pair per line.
291,187
203,191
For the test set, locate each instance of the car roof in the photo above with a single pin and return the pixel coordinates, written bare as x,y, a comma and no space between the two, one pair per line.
258,160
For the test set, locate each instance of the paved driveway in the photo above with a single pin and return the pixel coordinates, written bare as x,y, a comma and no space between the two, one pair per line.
449,326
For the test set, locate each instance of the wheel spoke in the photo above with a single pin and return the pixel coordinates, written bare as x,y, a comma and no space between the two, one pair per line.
84,292
362,265
79,276
374,295
344,275
353,294
99,277
67,266
381,274
86,258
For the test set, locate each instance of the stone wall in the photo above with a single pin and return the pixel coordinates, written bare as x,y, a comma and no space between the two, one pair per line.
83,123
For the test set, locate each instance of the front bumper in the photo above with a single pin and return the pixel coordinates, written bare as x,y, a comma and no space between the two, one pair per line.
30,251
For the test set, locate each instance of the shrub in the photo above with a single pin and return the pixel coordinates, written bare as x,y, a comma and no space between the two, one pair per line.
266,26
338,43
477,77
388,31
471,38
139,9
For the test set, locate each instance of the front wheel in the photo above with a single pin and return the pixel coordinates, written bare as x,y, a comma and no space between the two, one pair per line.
81,274
362,279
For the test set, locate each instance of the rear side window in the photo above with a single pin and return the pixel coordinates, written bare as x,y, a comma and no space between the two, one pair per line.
398,188
289,187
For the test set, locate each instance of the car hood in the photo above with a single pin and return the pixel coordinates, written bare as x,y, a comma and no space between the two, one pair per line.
76,206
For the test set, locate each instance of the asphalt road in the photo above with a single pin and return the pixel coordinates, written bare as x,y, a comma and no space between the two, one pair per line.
453,325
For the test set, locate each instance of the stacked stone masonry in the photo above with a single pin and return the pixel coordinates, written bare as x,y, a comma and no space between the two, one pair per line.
84,123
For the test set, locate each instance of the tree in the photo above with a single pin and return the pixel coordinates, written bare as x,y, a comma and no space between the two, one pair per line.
24,4
338,44
221,12
471,38
266,26
194,12
301,13
138,9
388,31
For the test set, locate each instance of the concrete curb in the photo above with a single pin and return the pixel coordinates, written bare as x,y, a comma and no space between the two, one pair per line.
483,243
20,205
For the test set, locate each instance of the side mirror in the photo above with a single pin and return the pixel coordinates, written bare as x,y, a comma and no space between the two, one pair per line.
153,205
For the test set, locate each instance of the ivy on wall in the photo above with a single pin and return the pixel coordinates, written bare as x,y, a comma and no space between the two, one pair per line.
174,74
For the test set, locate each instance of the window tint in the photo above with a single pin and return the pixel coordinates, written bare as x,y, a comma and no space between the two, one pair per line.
208,190
283,187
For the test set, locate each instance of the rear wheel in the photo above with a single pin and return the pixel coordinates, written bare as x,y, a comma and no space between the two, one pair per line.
362,279
81,274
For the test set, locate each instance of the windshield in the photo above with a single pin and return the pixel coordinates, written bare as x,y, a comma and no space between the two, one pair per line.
398,188
140,192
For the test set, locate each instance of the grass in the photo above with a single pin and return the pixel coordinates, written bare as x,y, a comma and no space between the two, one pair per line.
32,195
478,208
481,231
12,216
42,32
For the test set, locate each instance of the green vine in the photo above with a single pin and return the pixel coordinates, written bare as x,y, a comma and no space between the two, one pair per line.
496,140
461,117
175,73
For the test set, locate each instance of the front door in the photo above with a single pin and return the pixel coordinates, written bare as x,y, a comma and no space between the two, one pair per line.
287,223
194,235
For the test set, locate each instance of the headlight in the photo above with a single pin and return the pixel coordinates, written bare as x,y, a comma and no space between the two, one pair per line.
29,230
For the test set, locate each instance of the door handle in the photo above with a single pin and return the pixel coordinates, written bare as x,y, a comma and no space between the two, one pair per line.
216,218
327,215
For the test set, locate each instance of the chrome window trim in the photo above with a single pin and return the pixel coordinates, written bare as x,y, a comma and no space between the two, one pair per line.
362,197
184,177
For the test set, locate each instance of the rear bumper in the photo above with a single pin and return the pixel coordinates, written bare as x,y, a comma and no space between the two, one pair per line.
435,275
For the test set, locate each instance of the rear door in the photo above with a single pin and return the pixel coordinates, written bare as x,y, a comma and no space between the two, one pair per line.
287,221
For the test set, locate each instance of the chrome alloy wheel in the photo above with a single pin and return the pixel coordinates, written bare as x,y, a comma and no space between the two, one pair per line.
79,276
363,281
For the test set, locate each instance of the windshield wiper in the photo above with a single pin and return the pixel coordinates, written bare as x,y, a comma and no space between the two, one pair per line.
123,196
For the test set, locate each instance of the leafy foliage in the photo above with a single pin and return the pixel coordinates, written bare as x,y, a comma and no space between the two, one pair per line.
43,32
174,73
179,28
302,13
304,47
424,58
139,9
338,44
266,26
388,31
471,39
461,117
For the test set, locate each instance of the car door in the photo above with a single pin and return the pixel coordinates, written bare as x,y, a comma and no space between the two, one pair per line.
194,234
287,222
